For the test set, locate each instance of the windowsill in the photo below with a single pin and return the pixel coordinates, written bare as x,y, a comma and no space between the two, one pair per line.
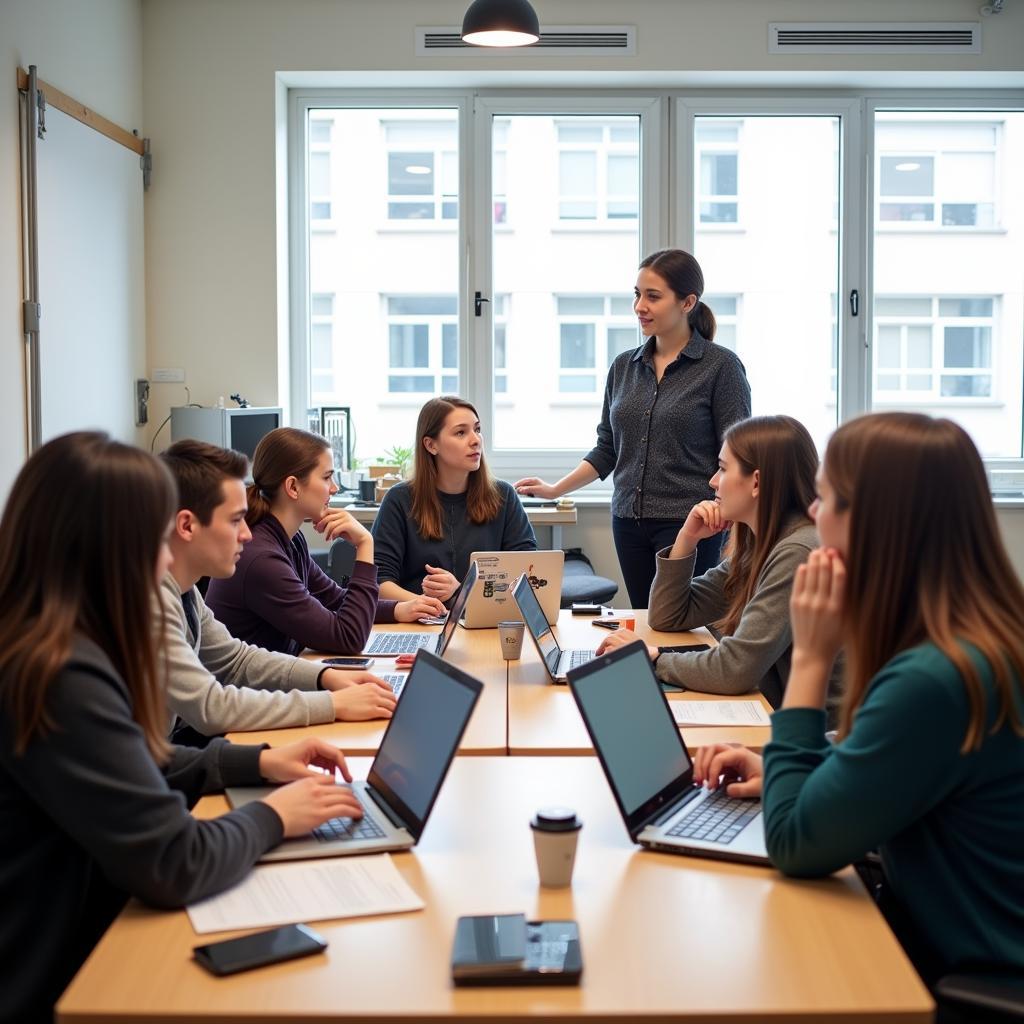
597,227
322,227
1009,501
934,229
946,403
418,227
722,229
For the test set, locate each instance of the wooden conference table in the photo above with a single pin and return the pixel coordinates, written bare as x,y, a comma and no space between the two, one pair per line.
520,711
663,937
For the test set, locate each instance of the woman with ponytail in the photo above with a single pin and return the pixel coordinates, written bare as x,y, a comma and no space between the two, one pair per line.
279,598
667,406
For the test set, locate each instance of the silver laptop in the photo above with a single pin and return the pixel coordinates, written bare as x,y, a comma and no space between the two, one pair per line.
556,661
390,645
649,768
491,599
406,774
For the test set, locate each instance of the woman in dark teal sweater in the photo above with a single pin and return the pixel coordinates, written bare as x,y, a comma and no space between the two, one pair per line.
914,583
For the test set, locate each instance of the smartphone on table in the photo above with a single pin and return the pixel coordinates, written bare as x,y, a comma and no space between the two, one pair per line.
348,663
259,949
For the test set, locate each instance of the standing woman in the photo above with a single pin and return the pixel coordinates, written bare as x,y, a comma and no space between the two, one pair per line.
427,528
914,583
278,597
93,799
667,406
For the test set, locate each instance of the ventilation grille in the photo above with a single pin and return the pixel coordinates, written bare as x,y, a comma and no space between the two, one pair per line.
555,41
886,37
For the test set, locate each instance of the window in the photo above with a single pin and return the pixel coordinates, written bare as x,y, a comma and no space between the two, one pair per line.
716,145
933,348
423,344
501,344
935,173
320,169
592,331
321,348
423,170
726,310
598,170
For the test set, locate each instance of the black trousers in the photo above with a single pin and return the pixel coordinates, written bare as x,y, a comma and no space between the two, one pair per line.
637,541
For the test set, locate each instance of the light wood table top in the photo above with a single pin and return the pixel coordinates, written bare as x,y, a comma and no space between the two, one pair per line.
543,717
476,651
663,937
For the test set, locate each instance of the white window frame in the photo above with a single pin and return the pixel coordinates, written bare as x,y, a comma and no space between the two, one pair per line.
435,369
323,319
720,149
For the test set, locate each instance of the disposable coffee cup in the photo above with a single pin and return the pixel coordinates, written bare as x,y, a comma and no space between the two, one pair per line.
510,637
366,489
555,831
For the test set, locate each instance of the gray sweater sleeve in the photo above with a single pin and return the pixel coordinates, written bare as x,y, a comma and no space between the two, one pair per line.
93,776
763,634
229,685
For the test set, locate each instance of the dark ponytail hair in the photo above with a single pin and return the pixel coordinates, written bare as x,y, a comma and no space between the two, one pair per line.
284,452
683,275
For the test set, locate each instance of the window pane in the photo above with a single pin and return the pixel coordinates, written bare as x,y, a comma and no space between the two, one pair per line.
888,355
414,384
577,345
320,352
411,174
320,211
788,219
621,339
965,287
321,305
423,305
567,262
320,131
450,346
907,211
319,174
410,345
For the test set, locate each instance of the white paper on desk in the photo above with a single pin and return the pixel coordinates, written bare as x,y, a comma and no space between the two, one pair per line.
307,890
719,712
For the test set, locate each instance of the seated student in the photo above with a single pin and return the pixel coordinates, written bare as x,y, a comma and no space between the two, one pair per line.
426,529
915,584
278,597
764,485
93,799
215,682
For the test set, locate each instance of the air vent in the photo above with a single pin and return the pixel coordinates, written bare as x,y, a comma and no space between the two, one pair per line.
555,41
886,37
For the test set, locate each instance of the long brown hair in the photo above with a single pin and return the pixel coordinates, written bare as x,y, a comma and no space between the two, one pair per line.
782,450
683,275
79,541
925,561
284,452
483,499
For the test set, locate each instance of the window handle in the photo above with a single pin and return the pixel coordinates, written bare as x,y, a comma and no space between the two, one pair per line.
854,302
478,303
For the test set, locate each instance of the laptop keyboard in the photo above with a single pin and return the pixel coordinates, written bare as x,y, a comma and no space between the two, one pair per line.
577,658
400,643
395,680
720,819
348,829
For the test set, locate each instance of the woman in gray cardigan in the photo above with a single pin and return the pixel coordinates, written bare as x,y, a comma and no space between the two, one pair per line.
764,487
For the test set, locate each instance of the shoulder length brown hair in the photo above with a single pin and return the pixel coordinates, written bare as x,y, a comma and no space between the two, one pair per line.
925,561
780,448
79,541
483,499
284,452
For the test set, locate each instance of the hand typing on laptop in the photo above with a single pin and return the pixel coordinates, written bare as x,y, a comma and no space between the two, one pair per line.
358,696
740,770
620,638
421,609
310,797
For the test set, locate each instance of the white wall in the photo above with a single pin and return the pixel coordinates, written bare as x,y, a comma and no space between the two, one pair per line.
93,52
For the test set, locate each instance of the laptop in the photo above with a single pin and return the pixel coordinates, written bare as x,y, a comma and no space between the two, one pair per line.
406,775
491,600
390,645
556,661
649,768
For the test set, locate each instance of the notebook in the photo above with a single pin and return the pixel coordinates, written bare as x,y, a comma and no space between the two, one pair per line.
556,661
491,599
406,775
649,769
390,645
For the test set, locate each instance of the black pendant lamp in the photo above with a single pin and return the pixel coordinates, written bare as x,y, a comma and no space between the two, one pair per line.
500,23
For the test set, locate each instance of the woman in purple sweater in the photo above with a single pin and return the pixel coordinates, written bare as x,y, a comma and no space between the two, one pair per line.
279,598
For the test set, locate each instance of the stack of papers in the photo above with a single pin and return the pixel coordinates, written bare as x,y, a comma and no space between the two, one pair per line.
307,890
719,712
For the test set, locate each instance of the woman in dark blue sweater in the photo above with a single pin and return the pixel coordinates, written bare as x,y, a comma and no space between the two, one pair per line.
426,529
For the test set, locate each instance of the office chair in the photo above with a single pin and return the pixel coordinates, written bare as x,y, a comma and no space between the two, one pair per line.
983,998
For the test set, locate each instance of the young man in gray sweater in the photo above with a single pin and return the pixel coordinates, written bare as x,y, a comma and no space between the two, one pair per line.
216,683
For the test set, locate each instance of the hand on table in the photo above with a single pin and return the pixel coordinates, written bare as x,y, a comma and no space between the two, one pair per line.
534,487
739,769
621,637
373,699
418,608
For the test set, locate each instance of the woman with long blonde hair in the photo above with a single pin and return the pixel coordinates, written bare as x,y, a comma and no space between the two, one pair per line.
914,584
426,529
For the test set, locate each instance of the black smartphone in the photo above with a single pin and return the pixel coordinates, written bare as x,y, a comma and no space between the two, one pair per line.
350,663
258,949
605,624
685,649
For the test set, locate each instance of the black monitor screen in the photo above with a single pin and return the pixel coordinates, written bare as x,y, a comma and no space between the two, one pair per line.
248,429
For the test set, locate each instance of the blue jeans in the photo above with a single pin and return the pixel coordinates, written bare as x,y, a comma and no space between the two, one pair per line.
638,540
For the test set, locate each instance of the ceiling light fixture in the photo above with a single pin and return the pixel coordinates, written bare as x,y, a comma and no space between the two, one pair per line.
500,23
909,165
417,169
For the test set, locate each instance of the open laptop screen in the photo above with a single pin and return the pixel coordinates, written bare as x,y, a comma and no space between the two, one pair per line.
633,730
458,606
536,621
422,737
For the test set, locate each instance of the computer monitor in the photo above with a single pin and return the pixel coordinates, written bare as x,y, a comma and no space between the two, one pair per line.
240,429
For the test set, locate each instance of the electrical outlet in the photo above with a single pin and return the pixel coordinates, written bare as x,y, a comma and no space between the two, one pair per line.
141,401
163,375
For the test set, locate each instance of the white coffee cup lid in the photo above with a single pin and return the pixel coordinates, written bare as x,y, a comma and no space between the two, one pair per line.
555,819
